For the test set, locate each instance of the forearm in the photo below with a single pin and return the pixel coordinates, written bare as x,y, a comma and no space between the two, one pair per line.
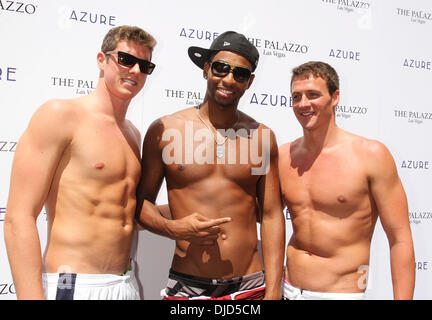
403,270
24,253
151,219
273,244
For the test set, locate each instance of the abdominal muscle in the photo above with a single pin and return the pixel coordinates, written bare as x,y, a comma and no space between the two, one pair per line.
89,230
235,252
343,270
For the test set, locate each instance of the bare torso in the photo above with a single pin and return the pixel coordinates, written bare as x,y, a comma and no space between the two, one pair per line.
333,215
91,202
198,184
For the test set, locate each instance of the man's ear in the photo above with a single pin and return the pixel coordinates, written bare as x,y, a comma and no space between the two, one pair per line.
335,98
101,60
251,79
206,70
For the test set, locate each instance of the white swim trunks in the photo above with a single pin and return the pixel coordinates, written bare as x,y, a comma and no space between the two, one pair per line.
72,286
292,293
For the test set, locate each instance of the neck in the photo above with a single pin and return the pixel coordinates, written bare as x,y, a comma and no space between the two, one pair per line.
220,117
321,138
109,104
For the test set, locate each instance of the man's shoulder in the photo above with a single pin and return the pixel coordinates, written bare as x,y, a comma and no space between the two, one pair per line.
247,121
175,120
373,153
57,111
178,117
286,148
367,146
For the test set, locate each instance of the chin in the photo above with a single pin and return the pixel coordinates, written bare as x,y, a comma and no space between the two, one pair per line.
225,103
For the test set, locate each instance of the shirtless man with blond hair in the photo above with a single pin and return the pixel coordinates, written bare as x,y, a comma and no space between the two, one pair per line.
219,182
81,159
335,185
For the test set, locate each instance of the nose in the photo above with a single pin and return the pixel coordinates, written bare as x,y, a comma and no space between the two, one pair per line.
135,68
304,101
229,78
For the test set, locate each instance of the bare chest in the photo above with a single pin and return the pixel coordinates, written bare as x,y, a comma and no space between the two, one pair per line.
334,184
103,152
193,155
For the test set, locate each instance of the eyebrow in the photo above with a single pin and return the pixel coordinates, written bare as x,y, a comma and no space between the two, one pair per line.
307,91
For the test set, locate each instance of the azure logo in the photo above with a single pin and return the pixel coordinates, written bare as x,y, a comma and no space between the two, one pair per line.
345,54
2,214
271,100
92,17
417,64
415,164
423,265
191,33
8,74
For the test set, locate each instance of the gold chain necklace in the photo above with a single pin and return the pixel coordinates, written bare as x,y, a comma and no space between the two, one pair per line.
220,148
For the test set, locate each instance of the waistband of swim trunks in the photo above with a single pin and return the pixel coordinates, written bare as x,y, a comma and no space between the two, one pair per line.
95,278
287,285
174,274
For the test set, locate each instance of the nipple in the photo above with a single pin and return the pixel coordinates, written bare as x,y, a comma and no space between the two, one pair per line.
99,165
342,199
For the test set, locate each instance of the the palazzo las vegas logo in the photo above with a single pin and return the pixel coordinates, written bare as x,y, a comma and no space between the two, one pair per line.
417,217
362,10
77,86
279,48
414,117
18,7
348,5
415,16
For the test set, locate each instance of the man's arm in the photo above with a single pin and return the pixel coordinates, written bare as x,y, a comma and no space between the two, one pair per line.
391,201
36,158
193,227
273,223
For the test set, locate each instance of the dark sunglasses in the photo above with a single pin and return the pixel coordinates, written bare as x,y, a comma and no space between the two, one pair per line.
128,60
221,69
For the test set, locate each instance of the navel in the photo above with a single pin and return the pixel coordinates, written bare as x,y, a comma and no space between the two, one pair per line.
99,165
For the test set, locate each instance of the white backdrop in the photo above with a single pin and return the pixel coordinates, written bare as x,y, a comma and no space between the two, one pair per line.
380,48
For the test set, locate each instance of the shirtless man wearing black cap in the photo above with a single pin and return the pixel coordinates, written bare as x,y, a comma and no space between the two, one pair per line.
220,167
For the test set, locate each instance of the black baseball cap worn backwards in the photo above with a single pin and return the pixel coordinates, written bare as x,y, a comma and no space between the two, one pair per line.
229,40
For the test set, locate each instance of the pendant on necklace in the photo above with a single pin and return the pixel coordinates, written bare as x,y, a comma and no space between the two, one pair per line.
220,151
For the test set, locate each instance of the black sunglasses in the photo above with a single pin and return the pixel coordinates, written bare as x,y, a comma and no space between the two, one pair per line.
221,69
128,60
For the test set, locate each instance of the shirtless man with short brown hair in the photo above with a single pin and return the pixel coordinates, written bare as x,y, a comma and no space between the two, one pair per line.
335,185
81,159
219,181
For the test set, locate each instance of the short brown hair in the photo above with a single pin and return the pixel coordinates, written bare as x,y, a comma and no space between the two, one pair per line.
318,69
127,33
